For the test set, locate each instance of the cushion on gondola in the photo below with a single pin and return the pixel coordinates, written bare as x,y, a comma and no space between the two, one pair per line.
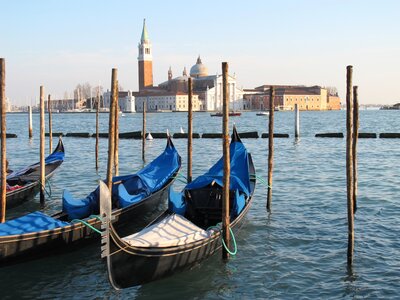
76,208
239,203
32,222
174,230
176,203
125,199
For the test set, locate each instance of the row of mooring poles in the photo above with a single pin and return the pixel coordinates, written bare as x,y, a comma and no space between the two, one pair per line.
352,124
3,140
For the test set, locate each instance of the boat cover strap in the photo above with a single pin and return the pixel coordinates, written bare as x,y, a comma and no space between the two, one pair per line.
174,230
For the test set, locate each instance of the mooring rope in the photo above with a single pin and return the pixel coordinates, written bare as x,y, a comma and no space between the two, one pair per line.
87,224
234,252
262,181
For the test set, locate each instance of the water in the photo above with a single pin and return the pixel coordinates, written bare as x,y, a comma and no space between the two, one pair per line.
297,252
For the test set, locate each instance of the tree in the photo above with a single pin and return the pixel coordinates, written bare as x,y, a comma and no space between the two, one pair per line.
332,91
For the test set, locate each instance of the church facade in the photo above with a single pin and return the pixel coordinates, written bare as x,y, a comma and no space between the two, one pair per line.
172,95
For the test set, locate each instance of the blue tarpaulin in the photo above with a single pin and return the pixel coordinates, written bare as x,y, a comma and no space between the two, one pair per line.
239,179
136,186
32,222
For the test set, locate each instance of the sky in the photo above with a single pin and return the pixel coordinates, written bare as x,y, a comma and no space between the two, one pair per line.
59,44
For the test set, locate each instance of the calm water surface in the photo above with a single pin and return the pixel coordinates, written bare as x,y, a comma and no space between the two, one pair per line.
296,252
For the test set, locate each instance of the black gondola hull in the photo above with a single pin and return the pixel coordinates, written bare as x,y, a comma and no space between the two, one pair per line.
18,248
153,264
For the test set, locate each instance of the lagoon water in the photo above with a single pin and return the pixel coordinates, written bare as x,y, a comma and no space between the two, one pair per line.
296,252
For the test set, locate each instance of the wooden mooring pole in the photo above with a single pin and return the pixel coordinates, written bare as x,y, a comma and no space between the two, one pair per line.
97,128
42,141
190,132
144,129
50,124
111,129
270,146
3,140
349,165
30,133
226,159
116,154
296,121
356,125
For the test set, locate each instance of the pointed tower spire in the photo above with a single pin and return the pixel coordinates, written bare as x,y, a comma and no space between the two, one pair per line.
184,73
145,35
169,73
145,60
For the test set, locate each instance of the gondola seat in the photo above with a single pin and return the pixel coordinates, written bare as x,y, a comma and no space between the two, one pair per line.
174,230
32,222
204,206
77,208
132,191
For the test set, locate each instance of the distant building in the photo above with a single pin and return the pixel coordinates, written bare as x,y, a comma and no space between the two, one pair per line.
126,101
173,94
307,98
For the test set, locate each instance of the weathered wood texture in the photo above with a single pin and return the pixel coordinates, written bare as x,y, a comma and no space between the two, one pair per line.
226,159
270,146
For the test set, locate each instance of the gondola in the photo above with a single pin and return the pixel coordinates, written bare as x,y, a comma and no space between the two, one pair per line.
24,184
134,197
187,232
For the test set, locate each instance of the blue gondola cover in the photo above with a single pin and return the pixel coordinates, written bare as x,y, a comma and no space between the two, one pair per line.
32,222
135,186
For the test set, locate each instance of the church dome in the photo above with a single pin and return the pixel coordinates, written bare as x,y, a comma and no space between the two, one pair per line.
198,70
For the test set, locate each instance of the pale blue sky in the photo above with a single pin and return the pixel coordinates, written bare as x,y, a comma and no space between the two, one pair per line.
59,44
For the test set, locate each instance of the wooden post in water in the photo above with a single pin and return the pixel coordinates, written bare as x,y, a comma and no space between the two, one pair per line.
270,145
226,158
349,165
111,129
144,129
296,121
116,154
356,125
3,198
190,132
30,122
42,162
97,129
50,124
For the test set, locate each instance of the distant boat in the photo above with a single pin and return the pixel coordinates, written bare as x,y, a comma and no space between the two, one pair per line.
182,130
263,113
231,114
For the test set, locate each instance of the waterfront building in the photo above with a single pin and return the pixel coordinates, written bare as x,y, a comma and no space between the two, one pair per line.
126,100
172,95
307,98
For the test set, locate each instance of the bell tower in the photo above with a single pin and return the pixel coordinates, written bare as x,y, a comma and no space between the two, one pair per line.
145,60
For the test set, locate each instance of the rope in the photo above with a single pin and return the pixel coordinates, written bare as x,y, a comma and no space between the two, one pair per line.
234,243
44,188
180,175
96,217
222,238
87,224
262,181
